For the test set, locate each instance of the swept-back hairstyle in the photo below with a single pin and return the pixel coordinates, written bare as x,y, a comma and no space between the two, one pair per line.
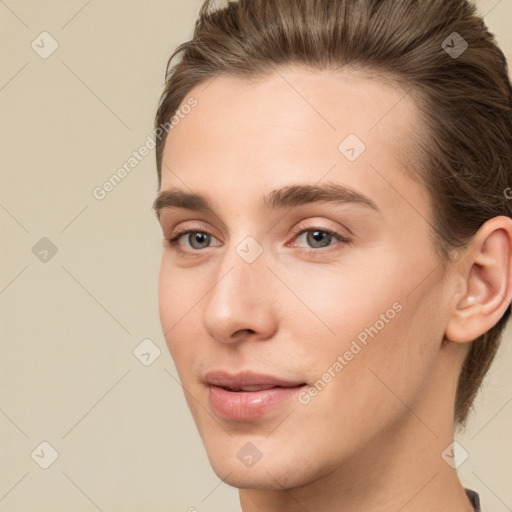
464,96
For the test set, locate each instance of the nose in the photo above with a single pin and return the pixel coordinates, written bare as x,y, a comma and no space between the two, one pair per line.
241,303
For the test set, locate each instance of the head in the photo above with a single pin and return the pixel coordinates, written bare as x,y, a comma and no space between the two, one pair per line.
353,231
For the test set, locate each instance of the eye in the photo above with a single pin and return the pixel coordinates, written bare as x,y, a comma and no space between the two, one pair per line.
320,237
316,237
197,239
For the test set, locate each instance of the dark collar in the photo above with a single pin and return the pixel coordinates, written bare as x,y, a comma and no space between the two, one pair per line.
475,499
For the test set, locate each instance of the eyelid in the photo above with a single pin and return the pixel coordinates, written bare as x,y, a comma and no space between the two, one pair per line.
187,227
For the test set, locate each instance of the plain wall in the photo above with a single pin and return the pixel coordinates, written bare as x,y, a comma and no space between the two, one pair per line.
69,325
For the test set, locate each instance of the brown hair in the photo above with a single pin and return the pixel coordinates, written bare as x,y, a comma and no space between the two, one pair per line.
464,156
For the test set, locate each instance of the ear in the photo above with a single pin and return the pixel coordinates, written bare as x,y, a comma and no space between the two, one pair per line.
485,276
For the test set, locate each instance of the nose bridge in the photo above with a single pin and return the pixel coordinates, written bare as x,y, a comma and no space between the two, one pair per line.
239,297
240,275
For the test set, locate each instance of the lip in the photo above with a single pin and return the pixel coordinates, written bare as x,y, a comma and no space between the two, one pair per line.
246,378
247,405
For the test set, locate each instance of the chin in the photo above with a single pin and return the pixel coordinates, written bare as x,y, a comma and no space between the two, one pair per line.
251,480
256,478
273,471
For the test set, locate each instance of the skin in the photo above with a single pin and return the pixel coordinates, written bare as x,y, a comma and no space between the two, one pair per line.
372,438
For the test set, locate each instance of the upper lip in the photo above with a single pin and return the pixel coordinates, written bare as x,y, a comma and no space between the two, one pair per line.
246,378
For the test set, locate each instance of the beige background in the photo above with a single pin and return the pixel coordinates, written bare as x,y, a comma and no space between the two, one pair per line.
69,326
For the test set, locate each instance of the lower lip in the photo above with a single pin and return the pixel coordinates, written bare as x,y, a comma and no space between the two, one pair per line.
248,405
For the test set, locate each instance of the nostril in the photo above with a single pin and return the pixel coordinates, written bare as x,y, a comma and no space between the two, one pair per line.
241,332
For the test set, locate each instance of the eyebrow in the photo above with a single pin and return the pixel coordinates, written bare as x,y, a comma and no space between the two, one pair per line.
286,197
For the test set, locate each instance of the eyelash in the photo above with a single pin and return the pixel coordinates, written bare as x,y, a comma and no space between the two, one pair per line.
173,241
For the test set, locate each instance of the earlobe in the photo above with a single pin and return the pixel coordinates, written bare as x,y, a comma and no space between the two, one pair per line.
486,272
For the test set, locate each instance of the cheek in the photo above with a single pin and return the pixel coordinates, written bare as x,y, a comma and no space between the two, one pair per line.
380,323
178,291
178,310
346,299
396,349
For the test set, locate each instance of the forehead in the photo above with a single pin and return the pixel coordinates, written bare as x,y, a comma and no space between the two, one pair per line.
295,125
294,105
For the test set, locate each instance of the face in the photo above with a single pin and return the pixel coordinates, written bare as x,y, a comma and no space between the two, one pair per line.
296,316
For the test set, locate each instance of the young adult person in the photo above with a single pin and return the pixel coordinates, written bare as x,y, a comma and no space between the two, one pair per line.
336,271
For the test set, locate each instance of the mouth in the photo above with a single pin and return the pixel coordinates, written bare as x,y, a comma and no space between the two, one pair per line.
246,380
256,388
246,396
